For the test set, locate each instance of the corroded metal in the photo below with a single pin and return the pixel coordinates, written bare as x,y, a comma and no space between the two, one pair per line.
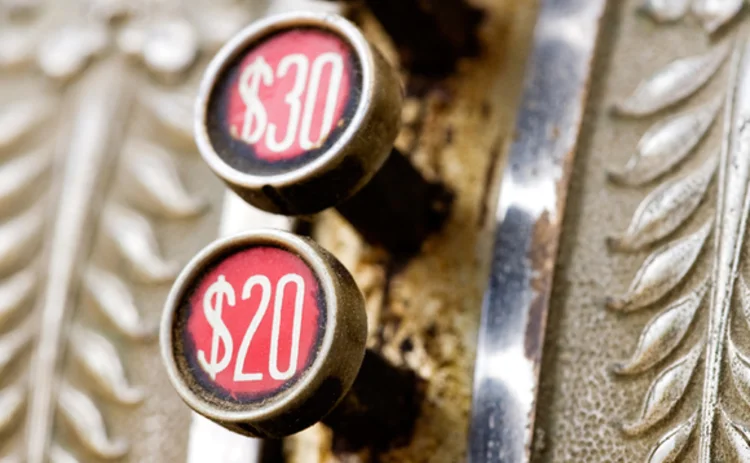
431,36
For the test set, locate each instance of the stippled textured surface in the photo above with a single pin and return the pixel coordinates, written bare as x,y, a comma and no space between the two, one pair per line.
583,404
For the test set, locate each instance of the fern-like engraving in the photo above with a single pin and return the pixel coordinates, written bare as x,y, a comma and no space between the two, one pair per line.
662,271
663,213
712,14
666,208
63,182
664,332
673,83
665,10
666,144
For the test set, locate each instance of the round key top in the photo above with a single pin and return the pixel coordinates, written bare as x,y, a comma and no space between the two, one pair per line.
298,113
264,333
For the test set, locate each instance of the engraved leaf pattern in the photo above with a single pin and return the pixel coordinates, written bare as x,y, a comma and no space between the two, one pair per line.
673,83
16,46
19,118
666,390
664,332
58,454
19,174
671,444
739,436
20,236
170,47
664,212
102,363
715,13
665,10
156,184
172,112
96,110
666,144
744,291
113,299
662,271
85,419
12,401
15,292
13,344
65,52
136,242
666,208
740,366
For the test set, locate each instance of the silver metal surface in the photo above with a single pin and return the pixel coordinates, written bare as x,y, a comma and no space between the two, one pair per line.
211,442
96,176
529,215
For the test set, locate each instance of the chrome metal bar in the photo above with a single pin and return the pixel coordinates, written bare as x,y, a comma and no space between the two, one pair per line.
529,216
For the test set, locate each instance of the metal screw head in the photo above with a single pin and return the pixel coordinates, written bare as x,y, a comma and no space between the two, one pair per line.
263,333
297,112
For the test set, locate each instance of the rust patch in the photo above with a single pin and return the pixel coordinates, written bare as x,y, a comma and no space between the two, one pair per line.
542,258
543,253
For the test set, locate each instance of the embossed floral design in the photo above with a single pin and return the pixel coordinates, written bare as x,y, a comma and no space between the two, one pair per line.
54,191
712,14
661,215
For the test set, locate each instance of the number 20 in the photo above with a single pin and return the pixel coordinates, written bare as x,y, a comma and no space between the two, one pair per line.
265,285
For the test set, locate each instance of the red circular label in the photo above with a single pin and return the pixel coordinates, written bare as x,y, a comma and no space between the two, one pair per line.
253,323
285,100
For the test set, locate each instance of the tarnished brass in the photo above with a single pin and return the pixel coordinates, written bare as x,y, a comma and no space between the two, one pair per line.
318,387
348,159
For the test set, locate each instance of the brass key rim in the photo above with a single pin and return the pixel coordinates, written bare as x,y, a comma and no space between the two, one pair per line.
334,357
242,42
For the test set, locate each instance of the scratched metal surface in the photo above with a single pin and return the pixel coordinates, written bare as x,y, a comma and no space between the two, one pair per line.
647,342
533,192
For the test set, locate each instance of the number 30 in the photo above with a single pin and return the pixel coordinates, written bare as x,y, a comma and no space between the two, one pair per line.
299,122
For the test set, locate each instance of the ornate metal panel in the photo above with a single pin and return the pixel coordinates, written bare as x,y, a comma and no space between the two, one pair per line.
104,196
647,350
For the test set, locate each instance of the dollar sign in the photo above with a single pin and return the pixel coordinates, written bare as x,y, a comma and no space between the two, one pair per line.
221,289
252,76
